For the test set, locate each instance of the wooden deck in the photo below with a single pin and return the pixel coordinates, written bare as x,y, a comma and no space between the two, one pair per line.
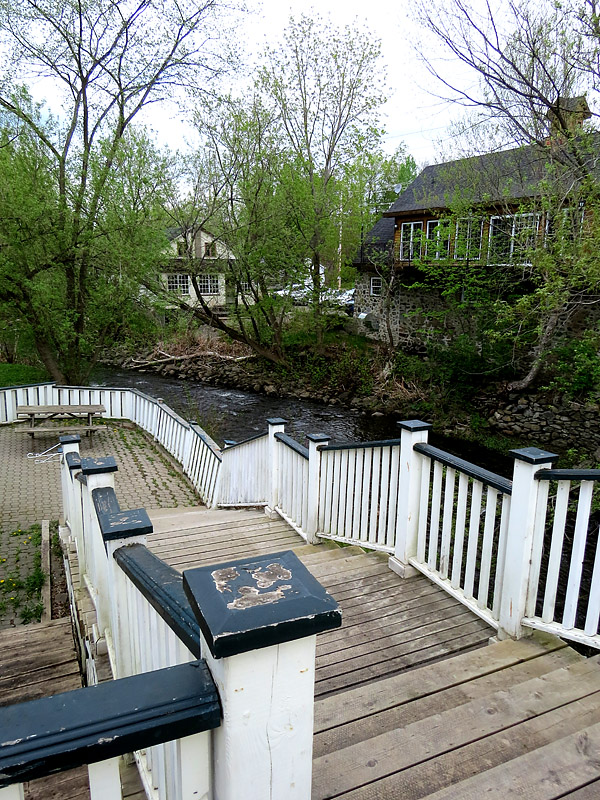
410,700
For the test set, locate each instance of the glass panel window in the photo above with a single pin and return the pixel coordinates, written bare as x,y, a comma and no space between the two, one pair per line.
208,284
178,283
437,244
181,249
410,240
245,287
512,237
467,244
210,249
376,286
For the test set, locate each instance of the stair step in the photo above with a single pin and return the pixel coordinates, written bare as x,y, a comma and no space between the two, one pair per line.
445,731
359,714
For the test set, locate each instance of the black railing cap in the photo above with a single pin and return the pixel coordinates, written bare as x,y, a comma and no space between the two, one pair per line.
277,421
414,425
95,466
73,460
72,438
318,437
253,603
533,455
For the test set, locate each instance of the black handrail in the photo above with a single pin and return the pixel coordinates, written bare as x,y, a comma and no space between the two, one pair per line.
359,445
68,730
162,586
568,475
503,485
292,444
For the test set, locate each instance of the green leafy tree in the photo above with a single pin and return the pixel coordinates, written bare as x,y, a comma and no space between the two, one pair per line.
108,60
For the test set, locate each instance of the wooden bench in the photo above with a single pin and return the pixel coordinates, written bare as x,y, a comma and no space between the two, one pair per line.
38,414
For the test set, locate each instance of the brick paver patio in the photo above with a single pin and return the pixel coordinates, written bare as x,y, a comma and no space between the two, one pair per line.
30,492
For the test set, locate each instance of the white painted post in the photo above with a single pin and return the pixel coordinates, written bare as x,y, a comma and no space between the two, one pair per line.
259,619
69,444
105,780
98,474
12,792
519,539
314,476
276,425
407,509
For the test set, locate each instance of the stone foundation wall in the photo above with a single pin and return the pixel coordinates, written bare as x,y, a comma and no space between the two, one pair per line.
409,315
560,423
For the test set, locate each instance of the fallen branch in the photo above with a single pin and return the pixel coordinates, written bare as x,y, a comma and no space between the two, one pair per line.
136,364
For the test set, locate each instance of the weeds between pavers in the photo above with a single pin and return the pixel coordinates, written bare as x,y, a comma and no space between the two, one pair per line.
21,574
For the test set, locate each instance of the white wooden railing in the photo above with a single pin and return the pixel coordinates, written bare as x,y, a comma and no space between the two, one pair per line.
501,546
564,589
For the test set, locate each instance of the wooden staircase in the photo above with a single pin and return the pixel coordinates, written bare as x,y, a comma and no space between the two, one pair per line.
411,702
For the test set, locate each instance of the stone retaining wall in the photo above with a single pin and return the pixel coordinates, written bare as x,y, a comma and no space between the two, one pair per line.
557,423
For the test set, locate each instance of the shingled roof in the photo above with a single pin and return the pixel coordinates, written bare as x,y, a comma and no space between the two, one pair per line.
493,178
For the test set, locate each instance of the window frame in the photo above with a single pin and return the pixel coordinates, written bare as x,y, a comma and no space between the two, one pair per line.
418,226
374,279
178,283
469,255
513,240
442,245
210,281
210,249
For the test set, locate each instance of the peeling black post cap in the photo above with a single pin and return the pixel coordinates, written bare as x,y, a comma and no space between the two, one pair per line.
414,425
533,455
318,437
95,466
251,603
73,438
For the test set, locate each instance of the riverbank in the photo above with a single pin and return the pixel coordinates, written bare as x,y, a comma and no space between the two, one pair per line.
494,418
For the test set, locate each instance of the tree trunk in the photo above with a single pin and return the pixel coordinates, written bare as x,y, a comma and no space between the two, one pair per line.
48,359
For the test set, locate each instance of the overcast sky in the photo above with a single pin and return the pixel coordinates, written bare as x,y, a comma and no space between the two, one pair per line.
412,114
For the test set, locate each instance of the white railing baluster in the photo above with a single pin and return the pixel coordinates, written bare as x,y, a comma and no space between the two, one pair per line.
434,526
577,554
486,547
593,611
459,533
447,522
423,510
473,536
366,494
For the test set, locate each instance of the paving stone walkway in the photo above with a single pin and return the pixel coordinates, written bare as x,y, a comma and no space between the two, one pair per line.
30,492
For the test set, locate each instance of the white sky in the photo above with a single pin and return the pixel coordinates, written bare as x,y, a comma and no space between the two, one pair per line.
412,114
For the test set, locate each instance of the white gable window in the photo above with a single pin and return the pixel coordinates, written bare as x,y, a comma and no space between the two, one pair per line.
208,284
467,243
512,238
376,287
437,244
410,240
179,283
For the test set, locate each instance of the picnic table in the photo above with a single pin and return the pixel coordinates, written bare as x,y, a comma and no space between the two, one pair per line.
39,414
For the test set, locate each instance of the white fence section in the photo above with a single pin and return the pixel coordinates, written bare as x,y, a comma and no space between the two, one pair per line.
245,473
462,525
564,590
292,490
358,493
520,553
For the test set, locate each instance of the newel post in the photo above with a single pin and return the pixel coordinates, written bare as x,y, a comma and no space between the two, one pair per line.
315,441
519,538
96,473
258,621
409,493
70,462
276,425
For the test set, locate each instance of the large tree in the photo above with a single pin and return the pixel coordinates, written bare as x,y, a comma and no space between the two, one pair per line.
107,60
327,89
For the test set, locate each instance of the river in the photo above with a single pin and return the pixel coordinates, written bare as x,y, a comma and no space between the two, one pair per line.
235,414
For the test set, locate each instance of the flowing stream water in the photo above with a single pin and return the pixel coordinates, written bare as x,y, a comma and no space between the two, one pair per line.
236,414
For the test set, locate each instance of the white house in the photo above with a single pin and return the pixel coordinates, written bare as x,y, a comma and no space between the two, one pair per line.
208,257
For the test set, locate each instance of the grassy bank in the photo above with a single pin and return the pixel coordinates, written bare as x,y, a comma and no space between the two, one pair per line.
21,374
